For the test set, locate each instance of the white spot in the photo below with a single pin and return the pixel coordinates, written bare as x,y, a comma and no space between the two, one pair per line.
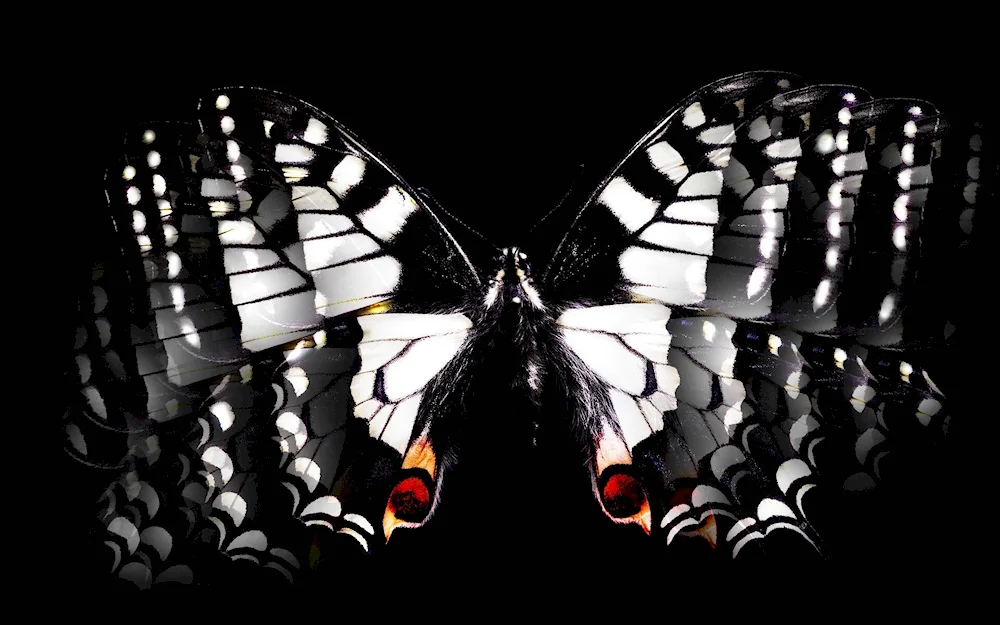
759,130
768,243
291,153
232,151
899,237
785,148
844,116
170,234
757,281
133,195
138,221
861,396
832,257
632,209
516,300
224,414
910,129
148,137
825,143
667,161
386,219
915,110
904,179
835,194
177,297
316,132
842,141
153,159
833,224
822,295
839,165
297,377
694,116
839,357
190,332
267,128
128,173
927,409
346,175
850,97
908,154
899,207
237,232
885,311
905,369
165,208
773,343
227,124
708,330
699,211
159,185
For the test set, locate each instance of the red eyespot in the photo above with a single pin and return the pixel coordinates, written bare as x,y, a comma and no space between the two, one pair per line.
623,496
410,500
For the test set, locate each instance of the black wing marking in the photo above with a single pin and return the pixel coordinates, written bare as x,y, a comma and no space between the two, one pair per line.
660,203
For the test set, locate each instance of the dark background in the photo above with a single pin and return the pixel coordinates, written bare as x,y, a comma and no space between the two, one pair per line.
497,122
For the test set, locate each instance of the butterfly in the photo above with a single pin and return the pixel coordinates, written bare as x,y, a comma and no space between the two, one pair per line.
288,361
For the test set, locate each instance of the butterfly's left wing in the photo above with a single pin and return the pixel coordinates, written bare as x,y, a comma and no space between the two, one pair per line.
271,305
728,295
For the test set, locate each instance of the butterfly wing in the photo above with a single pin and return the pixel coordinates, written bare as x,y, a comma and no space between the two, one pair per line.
783,244
221,338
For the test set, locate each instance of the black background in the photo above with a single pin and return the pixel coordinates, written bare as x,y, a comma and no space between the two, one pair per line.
496,122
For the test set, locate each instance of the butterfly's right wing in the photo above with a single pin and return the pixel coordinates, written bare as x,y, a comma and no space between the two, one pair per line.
784,237
254,245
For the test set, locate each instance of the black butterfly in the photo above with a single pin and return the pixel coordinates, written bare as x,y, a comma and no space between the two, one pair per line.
720,359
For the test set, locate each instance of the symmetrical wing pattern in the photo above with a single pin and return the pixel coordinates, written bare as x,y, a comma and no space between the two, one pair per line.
281,346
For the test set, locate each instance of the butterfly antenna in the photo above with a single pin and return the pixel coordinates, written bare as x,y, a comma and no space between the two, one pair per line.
572,187
426,196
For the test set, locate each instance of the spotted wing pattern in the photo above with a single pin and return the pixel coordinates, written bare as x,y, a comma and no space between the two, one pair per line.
789,231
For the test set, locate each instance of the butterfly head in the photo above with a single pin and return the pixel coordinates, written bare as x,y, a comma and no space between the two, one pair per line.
512,284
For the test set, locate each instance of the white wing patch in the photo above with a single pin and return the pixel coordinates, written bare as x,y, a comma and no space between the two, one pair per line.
672,263
347,264
400,354
633,209
623,344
